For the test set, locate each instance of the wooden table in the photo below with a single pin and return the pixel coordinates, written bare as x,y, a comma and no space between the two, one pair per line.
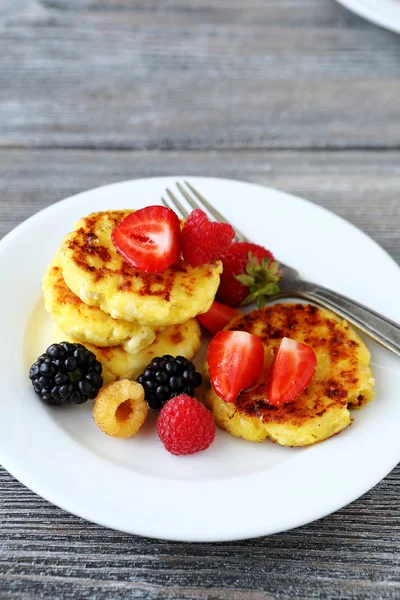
295,94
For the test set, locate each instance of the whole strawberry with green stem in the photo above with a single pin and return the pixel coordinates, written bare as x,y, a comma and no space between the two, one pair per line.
250,274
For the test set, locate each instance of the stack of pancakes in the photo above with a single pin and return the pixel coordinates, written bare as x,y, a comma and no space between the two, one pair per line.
124,316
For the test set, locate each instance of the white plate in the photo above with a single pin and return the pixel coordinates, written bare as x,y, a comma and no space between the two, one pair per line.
385,13
235,489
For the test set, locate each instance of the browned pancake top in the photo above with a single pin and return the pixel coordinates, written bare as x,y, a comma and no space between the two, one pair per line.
86,246
341,360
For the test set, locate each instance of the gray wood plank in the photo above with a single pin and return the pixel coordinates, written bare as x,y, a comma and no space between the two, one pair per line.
246,78
197,75
363,187
47,553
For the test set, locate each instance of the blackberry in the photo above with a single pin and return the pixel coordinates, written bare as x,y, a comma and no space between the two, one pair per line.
166,377
66,373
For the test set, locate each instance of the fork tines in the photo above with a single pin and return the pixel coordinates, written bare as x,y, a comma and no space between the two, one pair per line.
204,204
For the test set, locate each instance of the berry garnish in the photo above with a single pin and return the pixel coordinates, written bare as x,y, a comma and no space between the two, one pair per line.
166,377
203,241
149,239
185,426
250,274
120,408
66,373
292,370
218,316
235,361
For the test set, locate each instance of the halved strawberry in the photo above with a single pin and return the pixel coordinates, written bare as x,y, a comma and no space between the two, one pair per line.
235,361
292,370
149,239
218,316
203,241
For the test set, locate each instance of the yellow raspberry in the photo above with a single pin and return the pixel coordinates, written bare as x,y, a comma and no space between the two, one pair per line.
120,408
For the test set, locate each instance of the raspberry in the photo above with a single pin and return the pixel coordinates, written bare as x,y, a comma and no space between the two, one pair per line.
185,426
202,240
120,408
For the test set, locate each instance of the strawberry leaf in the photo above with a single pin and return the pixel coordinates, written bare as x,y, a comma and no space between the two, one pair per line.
261,278
245,279
248,300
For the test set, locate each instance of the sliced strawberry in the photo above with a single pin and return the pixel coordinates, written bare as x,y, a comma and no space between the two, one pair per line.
149,239
218,316
235,361
292,370
203,241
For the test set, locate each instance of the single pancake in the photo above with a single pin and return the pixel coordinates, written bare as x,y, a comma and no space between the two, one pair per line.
177,340
88,323
343,378
100,277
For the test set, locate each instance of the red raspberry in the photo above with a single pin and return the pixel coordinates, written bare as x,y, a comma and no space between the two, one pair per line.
185,426
202,240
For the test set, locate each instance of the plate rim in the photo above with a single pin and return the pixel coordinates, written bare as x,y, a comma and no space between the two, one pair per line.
359,8
16,471
15,230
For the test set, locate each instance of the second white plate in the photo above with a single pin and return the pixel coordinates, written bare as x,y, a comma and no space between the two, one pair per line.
385,13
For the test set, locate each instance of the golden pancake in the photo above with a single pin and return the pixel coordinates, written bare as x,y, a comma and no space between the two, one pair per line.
342,378
88,323
177,340
100,277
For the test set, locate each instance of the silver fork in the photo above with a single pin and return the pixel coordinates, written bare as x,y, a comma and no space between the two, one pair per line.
378,327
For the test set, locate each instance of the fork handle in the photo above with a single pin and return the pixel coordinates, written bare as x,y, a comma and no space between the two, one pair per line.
381,329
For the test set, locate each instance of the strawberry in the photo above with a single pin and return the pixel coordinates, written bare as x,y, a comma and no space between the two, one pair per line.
235,361
203,241
218,317
149,239
250,274
292,370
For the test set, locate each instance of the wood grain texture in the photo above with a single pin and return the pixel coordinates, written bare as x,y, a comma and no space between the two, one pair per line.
296,94
363,187
47,553
196,75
